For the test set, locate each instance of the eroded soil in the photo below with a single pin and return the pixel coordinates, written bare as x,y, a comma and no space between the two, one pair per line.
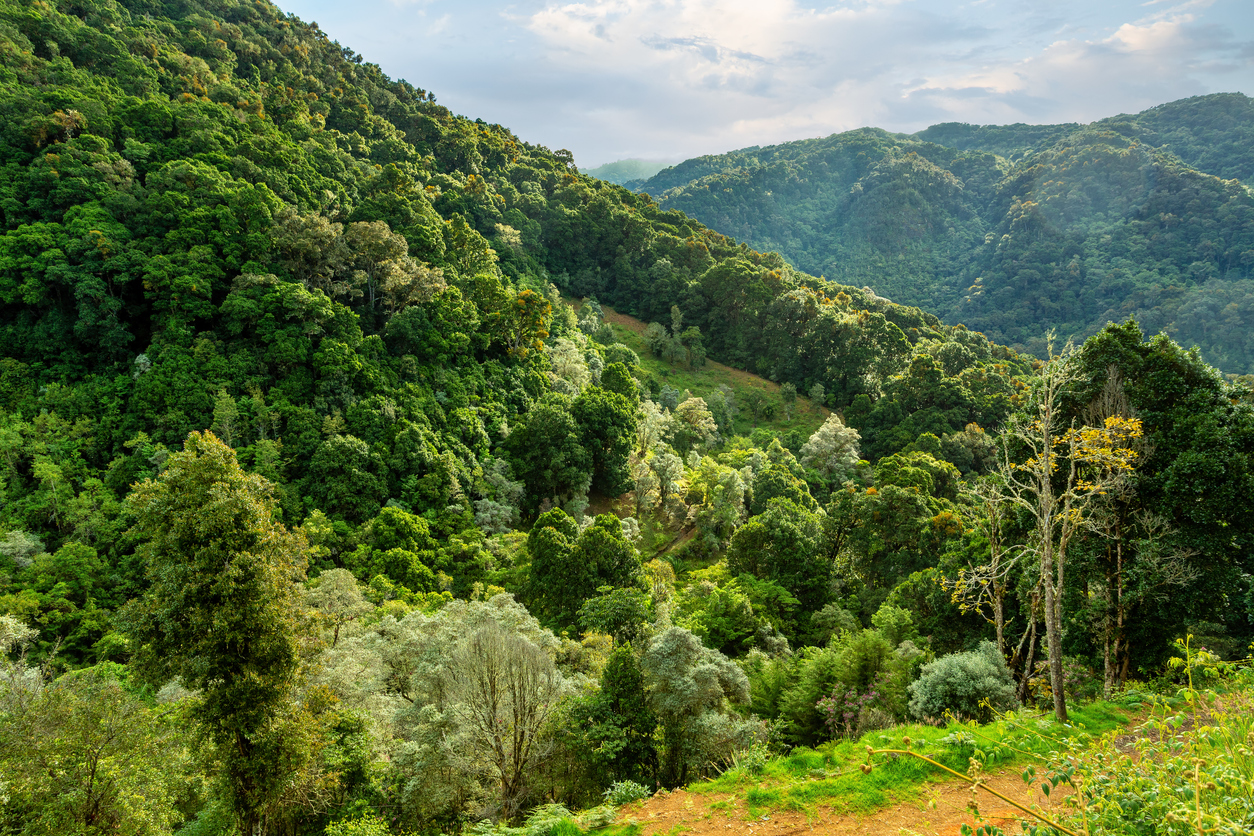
941,810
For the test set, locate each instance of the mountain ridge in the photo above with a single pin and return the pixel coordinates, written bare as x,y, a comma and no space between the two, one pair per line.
1119,226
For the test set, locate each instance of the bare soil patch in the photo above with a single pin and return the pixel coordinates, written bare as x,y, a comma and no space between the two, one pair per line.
941,811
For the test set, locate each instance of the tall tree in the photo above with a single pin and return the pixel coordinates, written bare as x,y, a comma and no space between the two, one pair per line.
1067,469
223,612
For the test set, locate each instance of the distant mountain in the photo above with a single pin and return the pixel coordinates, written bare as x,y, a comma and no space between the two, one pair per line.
626,171
1015,229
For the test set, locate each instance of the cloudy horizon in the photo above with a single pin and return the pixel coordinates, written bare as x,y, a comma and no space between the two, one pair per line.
673,79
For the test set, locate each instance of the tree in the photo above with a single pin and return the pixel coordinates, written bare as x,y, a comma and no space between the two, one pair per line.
756,401
345,478
1067,470
313,251
677,321
693,345
223,612
568,566
653,426
568,364
788,394
832,450
547,452
669,470
622,613
694,425
336,596
1190,488
606,426
615,727
784,544
84,755
502,688
590,316
656,338
383,265
617,378
482,685
687,681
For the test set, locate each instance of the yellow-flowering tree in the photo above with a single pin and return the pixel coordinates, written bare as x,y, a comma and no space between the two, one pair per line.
1068,467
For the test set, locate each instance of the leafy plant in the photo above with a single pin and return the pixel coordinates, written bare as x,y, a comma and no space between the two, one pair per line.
625,792
968,684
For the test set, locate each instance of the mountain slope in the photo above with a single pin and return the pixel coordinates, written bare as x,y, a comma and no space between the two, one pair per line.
213,216
1014,229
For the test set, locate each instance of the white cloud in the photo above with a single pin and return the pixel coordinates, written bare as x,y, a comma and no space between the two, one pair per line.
675,78
742,72
1141,63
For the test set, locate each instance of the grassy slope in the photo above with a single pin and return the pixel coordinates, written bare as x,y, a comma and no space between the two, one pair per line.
806,418
830,781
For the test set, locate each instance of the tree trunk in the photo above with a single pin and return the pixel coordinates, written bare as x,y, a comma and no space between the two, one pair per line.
1029,660
999,615
1053,631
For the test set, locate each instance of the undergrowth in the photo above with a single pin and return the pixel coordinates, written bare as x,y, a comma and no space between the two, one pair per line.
1193,772
834,777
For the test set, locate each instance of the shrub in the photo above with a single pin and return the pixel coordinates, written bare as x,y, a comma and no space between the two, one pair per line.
625,792
959,682
752,761
549,820
362,826
854,662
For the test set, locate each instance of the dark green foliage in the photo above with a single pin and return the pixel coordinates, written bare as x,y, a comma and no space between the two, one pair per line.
785,544
213,217
547,451
1014,229
1195,477
615,726
858,661
606,422
568,566
222,612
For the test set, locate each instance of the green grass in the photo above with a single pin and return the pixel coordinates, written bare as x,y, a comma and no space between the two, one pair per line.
706,380
832,776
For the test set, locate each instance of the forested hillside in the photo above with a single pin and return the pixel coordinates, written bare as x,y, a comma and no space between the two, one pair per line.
623,172
1015,229
307,399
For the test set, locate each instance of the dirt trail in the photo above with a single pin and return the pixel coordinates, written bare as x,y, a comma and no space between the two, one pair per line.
942,810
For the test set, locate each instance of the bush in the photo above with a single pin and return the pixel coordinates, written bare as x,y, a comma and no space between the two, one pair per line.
361,826
854,662
959,682
752,761
625,792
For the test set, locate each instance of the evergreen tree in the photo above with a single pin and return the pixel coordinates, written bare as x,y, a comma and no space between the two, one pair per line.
223,613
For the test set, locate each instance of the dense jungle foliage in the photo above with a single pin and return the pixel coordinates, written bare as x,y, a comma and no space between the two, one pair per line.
315,477
1017,229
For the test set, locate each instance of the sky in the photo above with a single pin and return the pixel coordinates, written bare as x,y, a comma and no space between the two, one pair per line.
674,79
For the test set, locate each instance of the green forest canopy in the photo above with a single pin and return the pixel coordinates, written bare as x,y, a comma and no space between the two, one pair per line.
294,413
1015,229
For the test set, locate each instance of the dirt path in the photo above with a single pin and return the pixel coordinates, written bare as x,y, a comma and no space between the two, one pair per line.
942,810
